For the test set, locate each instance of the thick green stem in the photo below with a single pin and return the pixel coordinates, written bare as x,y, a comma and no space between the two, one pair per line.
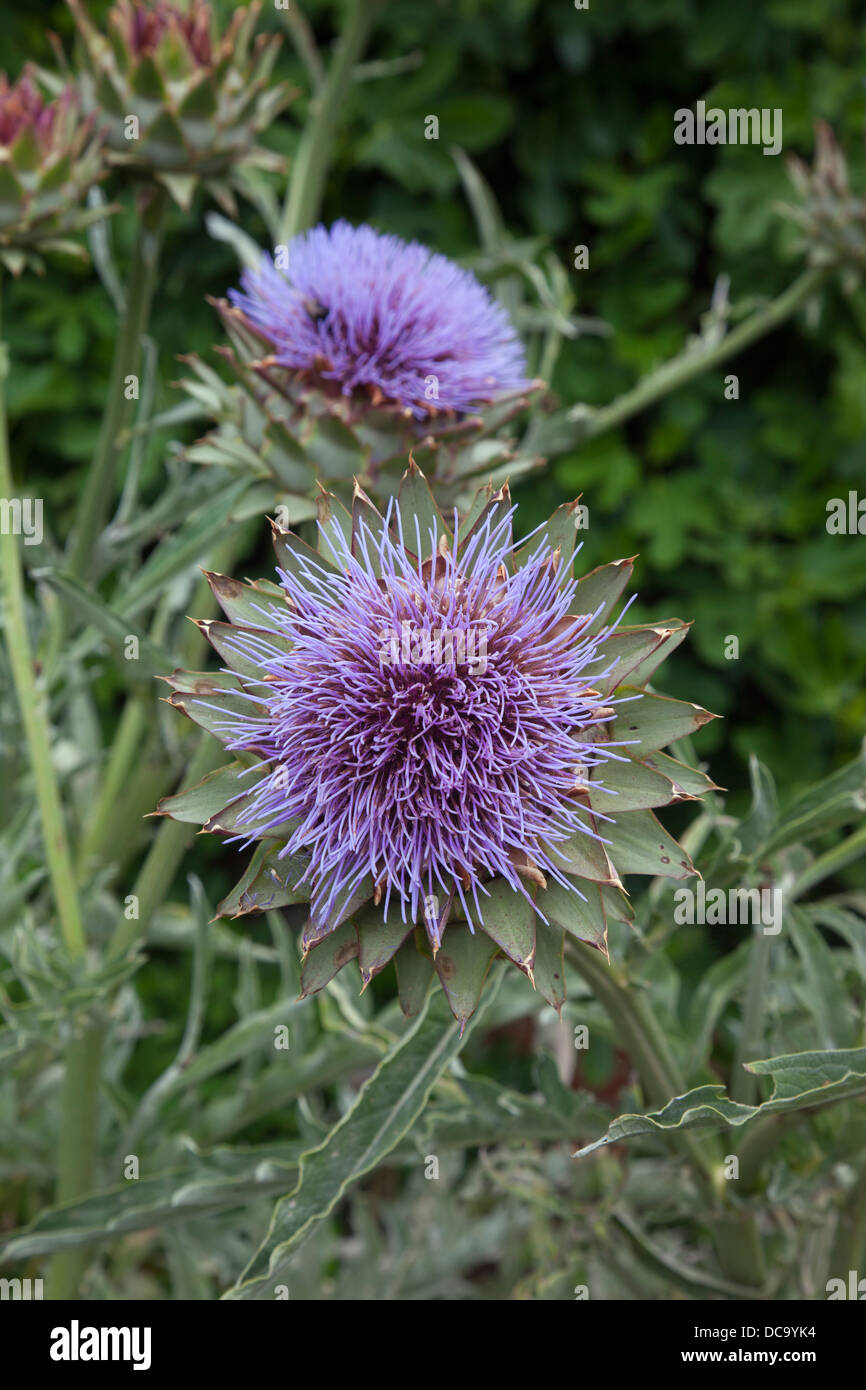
849,1247
32,703
738,1247
760,1140
839,857
570,428
636,1026
744,1084
128,743
78,1130
165,854
735,1234
305,44
99,487
313,157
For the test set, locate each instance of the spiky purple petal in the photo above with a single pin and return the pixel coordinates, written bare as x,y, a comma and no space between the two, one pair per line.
367,310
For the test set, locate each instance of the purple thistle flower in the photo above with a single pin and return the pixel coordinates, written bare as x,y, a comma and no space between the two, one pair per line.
435,728
403,760
364,310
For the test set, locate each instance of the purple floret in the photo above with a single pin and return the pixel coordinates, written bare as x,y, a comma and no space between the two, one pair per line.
427,776
367,310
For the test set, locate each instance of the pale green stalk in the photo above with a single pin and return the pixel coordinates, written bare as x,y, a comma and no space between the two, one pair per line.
100,485
570,428
315,151
34,715
78,1119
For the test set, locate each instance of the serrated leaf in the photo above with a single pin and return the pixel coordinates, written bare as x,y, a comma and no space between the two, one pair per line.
828,804
824,992
185,547
387,1106
755,827
213,1182
152,660
256,1030
720,984
802,1080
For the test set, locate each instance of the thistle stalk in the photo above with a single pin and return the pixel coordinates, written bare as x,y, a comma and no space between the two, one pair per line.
636,1025
32,703
313,158
163,859
81,1079
735,1234
744,1084
849,1246
77,1150
99,487
571,428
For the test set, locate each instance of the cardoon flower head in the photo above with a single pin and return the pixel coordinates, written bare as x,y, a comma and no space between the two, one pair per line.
366,310
180,101
49,157
352,349
144,28
434,741
831,215
22,107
